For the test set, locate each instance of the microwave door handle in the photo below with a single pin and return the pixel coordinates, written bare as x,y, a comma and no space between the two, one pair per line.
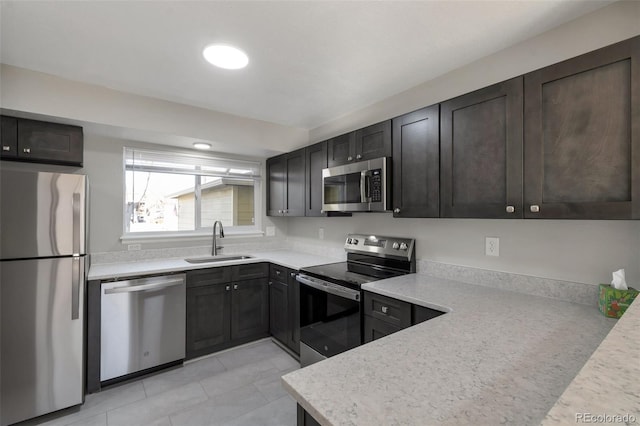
365,192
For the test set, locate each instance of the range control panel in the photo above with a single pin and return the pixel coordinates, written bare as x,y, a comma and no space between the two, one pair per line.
380,245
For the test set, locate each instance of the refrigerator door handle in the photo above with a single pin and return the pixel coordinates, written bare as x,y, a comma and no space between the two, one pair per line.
76,223
75,288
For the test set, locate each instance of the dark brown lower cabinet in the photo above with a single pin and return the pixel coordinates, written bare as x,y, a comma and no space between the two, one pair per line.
305,419
279,303
224,314
284,307
385,315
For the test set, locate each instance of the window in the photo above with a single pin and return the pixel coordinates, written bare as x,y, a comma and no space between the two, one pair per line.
168,193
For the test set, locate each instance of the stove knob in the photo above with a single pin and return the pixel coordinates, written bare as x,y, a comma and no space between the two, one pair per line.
403,246
355,241
348,240
396,246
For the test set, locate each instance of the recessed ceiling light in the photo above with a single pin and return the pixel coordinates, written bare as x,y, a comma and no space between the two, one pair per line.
201,145
224,56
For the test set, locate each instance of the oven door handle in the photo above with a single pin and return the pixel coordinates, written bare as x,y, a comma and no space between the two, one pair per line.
331,288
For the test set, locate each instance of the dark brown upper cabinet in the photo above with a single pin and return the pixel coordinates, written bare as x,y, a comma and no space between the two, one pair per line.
481,153
416,163
9,137
41,142
316,156
370,142
286,184
582,136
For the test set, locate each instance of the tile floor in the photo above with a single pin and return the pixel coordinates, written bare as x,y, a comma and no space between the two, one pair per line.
237,387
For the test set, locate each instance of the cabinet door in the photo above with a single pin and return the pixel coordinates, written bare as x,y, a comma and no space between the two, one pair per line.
295,191
50,142
416,164
208,324
276,185
375,329
316,156
294,312
373,141
481,153
279,310
9,137
341,149
249,309
582,136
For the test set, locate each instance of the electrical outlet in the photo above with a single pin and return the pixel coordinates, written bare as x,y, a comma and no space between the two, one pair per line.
134,247
492,246
321,233
271,231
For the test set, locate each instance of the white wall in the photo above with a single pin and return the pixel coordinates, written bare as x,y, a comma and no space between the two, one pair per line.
582,251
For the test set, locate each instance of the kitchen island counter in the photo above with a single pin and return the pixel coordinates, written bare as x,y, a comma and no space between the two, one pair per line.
495,357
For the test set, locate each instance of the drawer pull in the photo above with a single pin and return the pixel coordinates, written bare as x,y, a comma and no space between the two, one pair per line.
384,310
228,288
27,150
6,148
235,286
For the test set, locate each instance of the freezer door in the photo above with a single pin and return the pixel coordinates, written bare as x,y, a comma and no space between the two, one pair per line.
42,328
41,214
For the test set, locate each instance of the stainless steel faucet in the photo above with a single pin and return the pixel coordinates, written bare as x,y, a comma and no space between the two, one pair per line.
214,248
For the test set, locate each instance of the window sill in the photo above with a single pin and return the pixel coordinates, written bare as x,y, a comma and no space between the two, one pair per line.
185,236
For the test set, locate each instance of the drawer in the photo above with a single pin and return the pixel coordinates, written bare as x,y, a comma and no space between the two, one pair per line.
203,277
249,271
392,311
375,328
422,314
279,273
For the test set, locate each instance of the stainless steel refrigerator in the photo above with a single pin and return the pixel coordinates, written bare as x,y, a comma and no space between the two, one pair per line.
42,288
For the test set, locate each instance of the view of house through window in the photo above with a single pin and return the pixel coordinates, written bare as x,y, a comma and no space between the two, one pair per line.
176,193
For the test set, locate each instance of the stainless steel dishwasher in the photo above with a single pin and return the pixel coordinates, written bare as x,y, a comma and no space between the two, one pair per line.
142,324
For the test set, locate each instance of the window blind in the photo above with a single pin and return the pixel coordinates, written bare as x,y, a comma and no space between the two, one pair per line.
191,164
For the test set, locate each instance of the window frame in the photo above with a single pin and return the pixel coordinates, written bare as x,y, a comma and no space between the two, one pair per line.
199,233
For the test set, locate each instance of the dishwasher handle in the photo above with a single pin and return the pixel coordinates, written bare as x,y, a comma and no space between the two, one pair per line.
144,287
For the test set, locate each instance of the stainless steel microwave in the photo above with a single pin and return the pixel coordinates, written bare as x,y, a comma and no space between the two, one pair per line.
357,187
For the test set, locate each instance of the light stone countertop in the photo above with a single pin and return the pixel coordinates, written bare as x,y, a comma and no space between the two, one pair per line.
609,383
287,258
495,357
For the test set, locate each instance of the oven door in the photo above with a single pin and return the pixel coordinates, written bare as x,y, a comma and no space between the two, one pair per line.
329,319
355,187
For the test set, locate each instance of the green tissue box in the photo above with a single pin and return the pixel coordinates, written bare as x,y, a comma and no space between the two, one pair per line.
614,302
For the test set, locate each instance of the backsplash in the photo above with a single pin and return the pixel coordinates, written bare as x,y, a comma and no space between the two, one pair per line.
585,294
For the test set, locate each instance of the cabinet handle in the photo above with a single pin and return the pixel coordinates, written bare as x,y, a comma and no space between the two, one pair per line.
235,286
27,150
384,310
396,210
270,283
510,209
277,272
534,208
293,274
285,211
6,148
228,288
358,157
280,211
349,158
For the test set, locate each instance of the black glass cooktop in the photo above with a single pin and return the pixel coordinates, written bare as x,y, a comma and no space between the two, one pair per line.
350,273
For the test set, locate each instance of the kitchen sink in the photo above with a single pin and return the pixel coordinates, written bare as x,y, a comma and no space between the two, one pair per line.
221,258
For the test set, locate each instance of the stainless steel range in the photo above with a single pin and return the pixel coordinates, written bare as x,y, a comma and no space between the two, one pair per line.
330,295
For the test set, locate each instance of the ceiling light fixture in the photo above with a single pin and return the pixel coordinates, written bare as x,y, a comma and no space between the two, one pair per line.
201,145
224,56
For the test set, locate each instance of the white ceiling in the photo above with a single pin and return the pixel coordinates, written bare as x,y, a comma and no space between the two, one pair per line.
310,62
